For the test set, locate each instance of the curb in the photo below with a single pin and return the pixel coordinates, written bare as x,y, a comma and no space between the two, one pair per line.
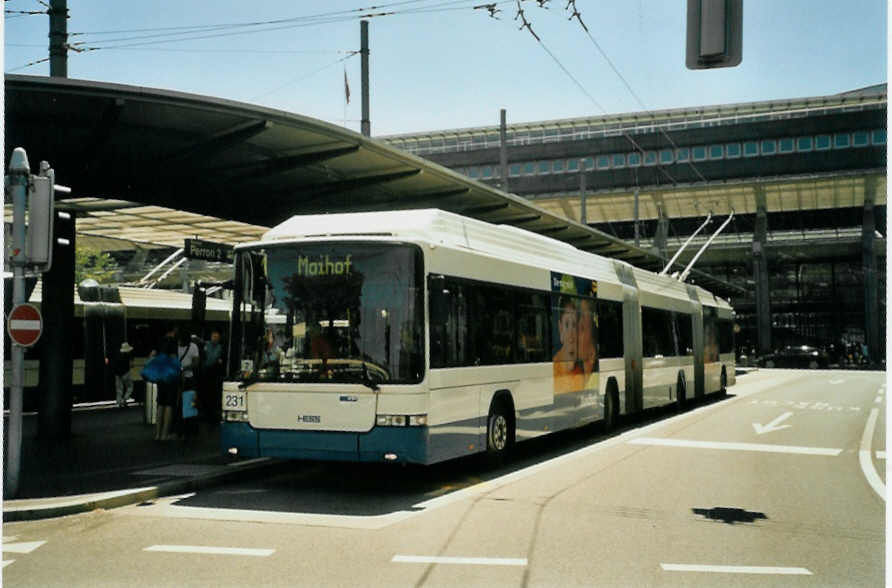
45,508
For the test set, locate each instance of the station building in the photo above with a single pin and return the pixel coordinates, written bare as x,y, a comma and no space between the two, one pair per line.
804,178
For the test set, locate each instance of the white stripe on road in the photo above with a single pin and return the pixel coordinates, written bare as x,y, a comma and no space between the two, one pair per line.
864,454
6,562
737,446
736,569
477,561
211,550
22,547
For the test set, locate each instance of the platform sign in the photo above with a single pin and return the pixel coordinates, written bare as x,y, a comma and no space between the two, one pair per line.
24,325
208,251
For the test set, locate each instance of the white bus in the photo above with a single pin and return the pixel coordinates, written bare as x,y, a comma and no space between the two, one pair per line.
421,336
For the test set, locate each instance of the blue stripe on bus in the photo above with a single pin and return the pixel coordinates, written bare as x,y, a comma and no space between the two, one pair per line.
410,444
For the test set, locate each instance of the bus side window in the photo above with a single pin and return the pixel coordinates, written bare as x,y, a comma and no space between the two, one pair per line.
610,329
532,328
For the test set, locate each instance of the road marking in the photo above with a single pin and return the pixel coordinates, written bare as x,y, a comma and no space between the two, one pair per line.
773,425
476,561
864,454
736,569
737,446
6,562
22,547
837,381
211,550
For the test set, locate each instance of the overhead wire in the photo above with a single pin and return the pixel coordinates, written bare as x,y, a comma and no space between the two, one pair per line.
629,87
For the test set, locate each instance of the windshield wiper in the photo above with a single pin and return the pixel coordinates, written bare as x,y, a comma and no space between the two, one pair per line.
367,380
249,380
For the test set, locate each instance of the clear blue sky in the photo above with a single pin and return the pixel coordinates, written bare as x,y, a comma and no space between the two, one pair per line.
440,64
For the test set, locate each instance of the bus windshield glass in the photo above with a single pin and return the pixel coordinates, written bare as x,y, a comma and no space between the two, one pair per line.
331,312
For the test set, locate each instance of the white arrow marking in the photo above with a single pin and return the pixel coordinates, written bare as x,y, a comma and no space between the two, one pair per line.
22,547
773,425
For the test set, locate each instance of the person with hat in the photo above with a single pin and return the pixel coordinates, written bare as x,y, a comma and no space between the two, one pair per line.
123,379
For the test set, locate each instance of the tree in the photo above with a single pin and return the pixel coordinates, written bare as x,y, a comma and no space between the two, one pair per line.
95,264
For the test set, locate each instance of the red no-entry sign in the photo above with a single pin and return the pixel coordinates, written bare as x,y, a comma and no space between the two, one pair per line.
24,325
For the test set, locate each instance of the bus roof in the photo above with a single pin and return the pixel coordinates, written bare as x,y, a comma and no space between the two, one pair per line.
448,229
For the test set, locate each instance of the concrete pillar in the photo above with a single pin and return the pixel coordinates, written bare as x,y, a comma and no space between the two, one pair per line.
661,237
56,362
869,263
760,274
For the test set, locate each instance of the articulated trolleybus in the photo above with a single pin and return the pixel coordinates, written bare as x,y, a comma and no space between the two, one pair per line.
421,336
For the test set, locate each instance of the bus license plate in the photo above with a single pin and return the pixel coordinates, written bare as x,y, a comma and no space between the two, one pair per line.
235,400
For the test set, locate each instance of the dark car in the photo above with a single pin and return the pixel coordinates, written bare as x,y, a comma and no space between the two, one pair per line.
796,356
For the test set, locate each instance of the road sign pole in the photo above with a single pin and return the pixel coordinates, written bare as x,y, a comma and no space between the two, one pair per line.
17,181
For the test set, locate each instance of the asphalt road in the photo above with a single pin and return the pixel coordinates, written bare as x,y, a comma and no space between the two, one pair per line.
780,484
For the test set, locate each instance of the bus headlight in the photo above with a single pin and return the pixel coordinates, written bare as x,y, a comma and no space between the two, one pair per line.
401,420
235,416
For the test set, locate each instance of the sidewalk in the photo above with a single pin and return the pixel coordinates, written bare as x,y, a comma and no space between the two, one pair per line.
110,460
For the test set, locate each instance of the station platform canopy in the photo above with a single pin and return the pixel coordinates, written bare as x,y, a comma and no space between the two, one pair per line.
159,166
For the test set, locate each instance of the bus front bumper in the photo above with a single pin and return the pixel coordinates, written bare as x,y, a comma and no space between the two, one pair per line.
402,444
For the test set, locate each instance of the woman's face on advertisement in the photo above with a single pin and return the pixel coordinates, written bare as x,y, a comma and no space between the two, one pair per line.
567,329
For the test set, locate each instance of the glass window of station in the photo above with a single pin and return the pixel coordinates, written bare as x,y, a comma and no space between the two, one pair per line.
697,153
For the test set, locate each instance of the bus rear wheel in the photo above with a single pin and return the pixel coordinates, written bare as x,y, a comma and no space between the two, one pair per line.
681,391
611,407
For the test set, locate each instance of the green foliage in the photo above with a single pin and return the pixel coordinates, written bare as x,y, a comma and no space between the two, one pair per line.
95,264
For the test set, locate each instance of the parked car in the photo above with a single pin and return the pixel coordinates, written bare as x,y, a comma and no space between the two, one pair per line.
796,356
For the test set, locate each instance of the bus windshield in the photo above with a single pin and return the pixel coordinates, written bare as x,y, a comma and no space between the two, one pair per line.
331,312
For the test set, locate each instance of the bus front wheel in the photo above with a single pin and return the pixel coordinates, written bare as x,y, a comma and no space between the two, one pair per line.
498,432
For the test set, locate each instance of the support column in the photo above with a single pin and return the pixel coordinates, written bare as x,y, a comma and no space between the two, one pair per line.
503,149
58,38
760,274
583,210
56,362
366,124
869,264
661,237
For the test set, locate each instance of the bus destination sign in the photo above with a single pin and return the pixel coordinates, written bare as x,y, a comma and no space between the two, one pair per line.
208,251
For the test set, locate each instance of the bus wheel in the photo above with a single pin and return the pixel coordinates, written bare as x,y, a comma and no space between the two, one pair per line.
611,406
680,391
498,432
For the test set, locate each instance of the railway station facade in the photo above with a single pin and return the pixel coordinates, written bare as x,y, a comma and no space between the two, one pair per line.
805,180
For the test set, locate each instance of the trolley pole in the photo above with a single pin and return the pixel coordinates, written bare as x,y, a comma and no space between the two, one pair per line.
19,175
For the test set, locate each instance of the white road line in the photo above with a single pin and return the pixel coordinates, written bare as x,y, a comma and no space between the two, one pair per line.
211,550
864,454
737,446
476,561
736,569
6,562
837,381
22,547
